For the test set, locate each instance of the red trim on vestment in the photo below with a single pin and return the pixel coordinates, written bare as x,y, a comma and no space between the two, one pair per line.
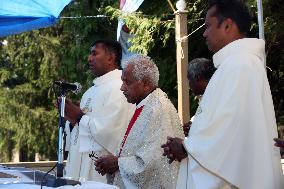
130,125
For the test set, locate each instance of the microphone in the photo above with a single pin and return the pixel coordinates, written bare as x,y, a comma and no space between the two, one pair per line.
74,87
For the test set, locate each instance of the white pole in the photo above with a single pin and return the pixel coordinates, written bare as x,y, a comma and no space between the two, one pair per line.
260,23
260,19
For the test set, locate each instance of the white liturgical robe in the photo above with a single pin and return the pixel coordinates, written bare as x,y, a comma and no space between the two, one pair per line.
100,130
141,164
230,144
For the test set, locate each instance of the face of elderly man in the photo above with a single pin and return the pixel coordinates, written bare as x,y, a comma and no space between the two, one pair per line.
133,89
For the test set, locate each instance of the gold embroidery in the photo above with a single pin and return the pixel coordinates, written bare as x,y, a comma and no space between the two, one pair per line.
86,108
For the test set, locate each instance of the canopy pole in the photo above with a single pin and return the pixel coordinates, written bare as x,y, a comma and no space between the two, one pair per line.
182,61
260,19
260,23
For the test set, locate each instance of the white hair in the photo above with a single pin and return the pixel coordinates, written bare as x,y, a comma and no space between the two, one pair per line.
143,67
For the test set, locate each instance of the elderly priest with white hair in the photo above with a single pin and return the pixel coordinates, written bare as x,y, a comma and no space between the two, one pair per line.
139,163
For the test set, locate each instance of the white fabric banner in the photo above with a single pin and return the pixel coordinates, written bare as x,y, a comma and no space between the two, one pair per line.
130,6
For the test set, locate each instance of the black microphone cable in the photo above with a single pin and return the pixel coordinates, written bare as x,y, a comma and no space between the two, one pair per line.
43,178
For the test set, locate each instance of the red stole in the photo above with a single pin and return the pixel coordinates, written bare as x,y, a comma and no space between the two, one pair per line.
130,125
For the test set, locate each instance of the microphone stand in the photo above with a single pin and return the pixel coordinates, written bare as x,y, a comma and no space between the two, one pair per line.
60,166
59,181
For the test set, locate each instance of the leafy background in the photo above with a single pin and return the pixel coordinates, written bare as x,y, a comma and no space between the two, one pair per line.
33,60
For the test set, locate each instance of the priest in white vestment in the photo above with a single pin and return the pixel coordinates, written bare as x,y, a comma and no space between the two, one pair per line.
103,115
230,143
138,163
199,72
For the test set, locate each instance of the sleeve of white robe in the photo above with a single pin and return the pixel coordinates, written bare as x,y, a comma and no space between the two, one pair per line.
107,125
68,136
232,136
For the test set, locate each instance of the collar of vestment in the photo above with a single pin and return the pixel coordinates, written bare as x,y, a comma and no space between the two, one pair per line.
244,45
145,100
106,77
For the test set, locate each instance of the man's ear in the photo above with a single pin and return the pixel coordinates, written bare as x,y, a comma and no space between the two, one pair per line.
146,84
111,58
227,24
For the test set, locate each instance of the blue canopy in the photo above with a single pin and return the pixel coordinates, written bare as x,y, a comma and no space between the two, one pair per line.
17,16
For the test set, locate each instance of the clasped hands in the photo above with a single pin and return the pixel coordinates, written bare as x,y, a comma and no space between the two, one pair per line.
174,149
107,164
279,143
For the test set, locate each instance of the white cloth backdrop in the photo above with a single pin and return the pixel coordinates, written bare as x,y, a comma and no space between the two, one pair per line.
130,6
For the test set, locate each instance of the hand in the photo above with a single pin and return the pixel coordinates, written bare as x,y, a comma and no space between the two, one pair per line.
186,128
72,110
107,164
279,143
174,149
167,153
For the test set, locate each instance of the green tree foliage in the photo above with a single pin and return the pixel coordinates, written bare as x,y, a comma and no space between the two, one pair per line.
33,60
28,66
274,28
154,28
26,75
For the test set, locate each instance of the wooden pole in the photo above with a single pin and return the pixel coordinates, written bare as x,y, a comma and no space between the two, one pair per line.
182,61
